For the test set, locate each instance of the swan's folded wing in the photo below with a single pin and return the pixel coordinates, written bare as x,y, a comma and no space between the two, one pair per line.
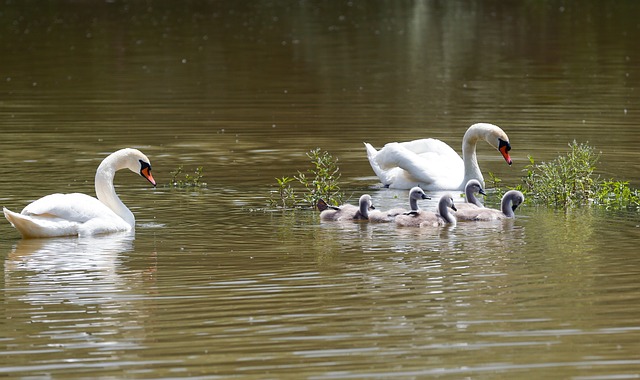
430,146
440,165
74,207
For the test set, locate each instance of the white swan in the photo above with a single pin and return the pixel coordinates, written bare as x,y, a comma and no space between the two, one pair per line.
415,194
510,202
422,218
432,164
472,187
80,214
346,211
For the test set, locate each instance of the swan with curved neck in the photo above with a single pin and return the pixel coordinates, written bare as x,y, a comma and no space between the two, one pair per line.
509,203
419,218
470,190
79,214
346,211
434,165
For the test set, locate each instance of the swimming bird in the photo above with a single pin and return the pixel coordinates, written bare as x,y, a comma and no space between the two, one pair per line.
79,214
421,218
434,165
346,211
472,187
509,203
415,194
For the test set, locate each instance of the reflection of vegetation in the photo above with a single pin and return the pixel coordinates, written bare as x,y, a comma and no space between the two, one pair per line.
321,181
189,181
569,181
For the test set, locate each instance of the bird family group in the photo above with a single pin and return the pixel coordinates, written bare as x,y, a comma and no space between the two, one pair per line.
419,165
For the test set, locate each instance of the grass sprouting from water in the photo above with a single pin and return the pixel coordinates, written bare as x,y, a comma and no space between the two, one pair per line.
188,180
321,181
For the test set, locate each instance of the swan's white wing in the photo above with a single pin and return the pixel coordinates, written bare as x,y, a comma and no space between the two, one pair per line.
66,215
75,207
428,163
430,146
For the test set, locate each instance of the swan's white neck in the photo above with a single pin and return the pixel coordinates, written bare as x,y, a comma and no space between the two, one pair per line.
471,168
106,192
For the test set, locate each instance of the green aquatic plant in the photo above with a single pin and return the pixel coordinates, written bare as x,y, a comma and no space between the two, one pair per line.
320,181
189,180
612,194
566,181
570,181
286,194
323,179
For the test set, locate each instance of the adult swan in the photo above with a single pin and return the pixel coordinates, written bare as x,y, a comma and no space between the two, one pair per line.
434,165
80,214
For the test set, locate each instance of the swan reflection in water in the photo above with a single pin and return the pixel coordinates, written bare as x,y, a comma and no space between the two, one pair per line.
76,290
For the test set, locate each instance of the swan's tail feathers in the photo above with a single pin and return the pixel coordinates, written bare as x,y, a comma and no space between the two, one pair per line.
372,153
18,221
37,227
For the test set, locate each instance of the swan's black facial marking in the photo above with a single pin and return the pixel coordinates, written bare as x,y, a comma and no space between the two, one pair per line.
144,165
145,171
505,144
504,147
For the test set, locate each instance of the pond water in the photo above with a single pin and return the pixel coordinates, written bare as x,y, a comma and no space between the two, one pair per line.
217,284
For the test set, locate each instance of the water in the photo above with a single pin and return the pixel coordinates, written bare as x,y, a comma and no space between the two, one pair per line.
216,284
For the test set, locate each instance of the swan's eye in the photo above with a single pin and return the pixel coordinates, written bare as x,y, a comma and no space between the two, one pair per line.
504,144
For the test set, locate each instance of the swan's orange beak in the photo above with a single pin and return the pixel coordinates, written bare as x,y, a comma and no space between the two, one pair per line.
505,154
504,149
146,173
